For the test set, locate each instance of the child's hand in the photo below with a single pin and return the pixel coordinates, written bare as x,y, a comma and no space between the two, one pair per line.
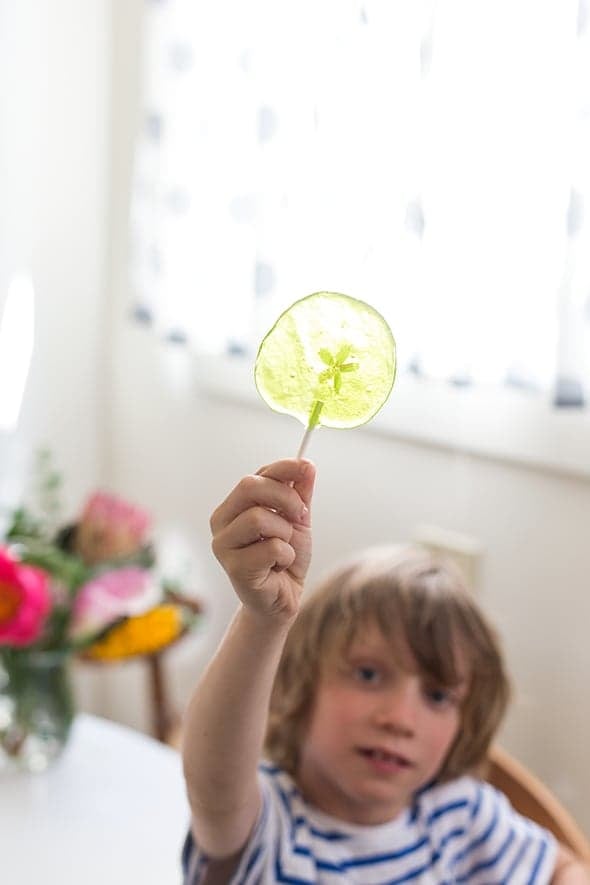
262,536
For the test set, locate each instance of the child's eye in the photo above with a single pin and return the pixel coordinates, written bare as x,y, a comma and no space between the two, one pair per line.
367,675
439,697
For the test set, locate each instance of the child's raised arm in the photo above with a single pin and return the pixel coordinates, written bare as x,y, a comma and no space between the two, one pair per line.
262,538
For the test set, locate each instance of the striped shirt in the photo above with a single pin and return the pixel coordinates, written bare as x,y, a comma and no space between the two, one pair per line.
461,831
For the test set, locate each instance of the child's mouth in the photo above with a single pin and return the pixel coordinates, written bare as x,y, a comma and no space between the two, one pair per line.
385,759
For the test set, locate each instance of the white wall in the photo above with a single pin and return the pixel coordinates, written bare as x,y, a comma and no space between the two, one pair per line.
54,78
54,70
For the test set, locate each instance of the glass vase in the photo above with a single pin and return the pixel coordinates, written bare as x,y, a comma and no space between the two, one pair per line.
36,707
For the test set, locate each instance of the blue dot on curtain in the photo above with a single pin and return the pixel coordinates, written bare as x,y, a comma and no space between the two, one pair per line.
263,279
154,125
575,214
236,348
415,366
267,124
414,220
142,314
568,393
461,379
176,336
582,23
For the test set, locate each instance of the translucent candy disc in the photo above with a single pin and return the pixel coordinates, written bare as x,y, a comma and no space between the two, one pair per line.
329,359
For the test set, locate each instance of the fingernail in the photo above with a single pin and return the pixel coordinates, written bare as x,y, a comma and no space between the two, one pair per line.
303,514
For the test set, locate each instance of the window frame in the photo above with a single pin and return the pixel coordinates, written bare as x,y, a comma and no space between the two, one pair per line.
513,426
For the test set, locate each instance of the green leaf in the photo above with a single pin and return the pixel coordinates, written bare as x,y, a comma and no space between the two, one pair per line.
23,525
67,568
343,352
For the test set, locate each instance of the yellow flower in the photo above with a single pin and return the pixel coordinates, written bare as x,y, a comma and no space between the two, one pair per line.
140,635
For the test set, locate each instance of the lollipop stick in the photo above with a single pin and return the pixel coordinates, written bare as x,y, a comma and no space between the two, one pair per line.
304,441
314,417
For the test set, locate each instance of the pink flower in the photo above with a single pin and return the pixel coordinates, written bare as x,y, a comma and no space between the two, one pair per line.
110,528
110,596
25,601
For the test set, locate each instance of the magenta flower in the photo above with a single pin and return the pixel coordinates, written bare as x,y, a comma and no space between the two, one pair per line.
110,528
109,597
25,601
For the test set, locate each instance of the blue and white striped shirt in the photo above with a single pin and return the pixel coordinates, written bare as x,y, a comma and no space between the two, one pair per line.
461,831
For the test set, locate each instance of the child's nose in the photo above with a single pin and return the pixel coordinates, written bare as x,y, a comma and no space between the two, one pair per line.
398,709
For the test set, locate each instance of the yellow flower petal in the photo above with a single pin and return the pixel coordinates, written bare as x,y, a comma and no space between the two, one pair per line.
140,635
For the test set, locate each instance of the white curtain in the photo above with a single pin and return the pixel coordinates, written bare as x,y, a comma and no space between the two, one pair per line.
430,158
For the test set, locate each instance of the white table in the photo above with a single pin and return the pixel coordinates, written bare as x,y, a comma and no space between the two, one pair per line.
111,811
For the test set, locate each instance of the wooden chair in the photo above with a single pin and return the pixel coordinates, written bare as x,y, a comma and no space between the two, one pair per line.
165,722
529,796
174,735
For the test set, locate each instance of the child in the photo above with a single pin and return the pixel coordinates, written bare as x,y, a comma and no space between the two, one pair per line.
388,688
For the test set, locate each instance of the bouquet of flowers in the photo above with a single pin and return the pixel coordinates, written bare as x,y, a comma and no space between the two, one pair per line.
88,588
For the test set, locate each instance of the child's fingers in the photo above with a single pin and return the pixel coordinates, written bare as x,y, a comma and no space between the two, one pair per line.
304,487
285,470
304,474
272,489
250,527
251,566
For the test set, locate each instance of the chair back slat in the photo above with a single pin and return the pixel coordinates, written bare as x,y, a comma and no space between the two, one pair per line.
529,796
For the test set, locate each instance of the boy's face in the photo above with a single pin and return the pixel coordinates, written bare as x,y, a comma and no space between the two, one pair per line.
379,730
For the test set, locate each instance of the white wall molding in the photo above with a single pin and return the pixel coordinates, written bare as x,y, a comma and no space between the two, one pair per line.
501,424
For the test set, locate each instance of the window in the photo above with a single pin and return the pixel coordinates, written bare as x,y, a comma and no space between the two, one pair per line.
430,159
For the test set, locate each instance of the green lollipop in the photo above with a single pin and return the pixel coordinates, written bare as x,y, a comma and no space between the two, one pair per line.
328,360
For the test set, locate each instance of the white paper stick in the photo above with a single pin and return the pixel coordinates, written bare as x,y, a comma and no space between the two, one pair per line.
304,442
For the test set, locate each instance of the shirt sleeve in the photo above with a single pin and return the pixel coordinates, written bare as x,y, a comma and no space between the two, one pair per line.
195,861
501,845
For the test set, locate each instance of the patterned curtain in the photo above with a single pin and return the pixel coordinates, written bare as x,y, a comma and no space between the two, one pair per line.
431,159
